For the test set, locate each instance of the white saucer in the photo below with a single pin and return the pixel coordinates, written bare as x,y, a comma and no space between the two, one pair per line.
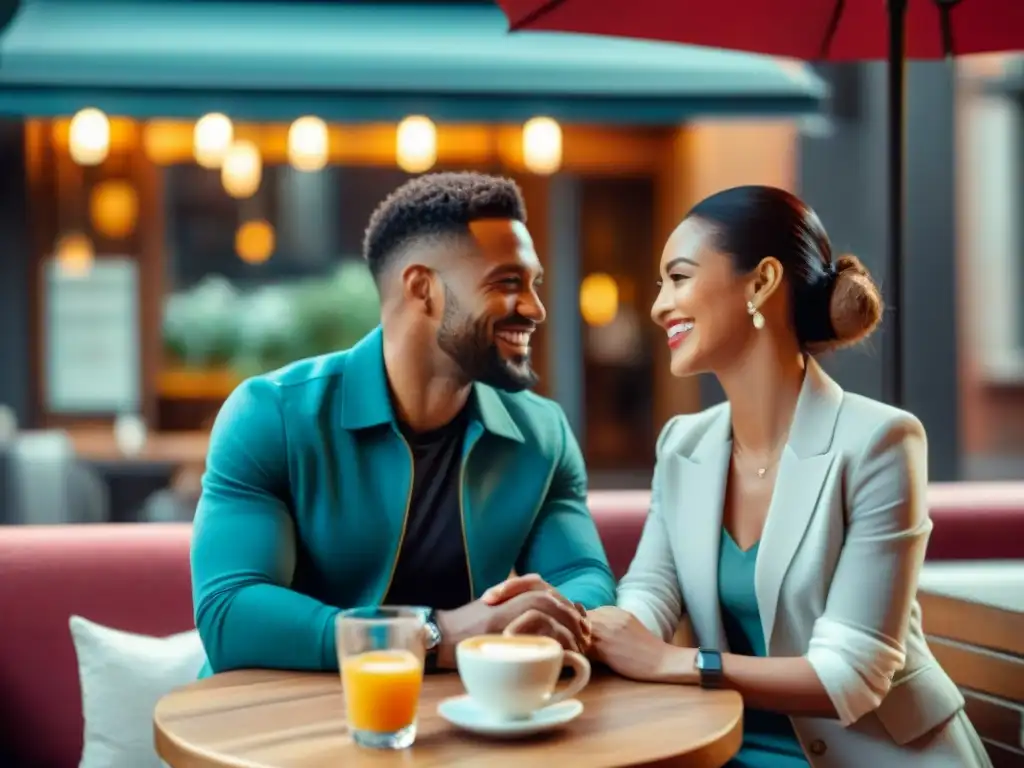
465,713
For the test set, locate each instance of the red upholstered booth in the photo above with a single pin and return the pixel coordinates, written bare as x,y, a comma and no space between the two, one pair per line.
136,578
973,521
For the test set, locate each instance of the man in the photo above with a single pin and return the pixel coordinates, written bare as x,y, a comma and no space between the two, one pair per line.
412,469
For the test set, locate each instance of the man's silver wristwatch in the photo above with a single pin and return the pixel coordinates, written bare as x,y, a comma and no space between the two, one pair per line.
433,633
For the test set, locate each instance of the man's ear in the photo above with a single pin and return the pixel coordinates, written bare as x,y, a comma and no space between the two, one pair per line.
419,288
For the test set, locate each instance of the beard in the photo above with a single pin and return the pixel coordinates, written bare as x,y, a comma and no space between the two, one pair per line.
470,344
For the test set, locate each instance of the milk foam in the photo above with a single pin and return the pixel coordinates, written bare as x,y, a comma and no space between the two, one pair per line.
513,651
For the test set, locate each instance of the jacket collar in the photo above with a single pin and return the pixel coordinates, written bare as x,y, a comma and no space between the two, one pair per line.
366,401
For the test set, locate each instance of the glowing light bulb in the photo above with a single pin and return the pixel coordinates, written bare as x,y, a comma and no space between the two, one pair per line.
212,138
416,145
307,144
114,208
599,299
542,145
89,137
242,170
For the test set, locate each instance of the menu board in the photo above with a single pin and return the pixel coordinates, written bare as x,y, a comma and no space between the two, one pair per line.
93,355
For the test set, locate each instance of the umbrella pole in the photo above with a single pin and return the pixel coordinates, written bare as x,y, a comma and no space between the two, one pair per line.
894,267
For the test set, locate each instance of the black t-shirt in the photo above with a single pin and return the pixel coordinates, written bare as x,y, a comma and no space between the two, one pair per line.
432,570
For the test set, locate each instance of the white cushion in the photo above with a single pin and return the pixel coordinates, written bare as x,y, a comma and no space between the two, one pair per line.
123,676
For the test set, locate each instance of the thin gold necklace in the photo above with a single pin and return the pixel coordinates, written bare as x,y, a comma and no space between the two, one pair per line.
761,471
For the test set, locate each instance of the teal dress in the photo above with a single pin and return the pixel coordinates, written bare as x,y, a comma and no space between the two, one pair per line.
769,740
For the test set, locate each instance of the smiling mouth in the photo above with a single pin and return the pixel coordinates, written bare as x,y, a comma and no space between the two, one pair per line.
677,332
519,341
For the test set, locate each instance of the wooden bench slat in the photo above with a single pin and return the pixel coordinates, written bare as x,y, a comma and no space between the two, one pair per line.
996,719
991,672
972,623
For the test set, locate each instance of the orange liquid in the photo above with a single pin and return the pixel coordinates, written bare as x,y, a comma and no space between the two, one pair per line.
382,689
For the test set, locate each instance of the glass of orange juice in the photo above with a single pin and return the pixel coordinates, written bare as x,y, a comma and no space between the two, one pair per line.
381,653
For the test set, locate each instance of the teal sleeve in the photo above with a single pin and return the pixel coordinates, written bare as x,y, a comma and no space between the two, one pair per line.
244,549
564,547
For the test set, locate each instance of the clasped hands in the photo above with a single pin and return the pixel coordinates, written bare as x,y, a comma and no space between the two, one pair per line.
519,605
529,605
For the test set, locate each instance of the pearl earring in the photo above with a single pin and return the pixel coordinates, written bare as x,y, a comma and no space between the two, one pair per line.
755,315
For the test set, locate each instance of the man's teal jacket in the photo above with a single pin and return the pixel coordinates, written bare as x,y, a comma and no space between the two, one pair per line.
306,495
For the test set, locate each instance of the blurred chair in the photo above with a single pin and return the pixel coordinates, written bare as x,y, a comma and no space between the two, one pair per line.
89,496
131,483
176,503
45,484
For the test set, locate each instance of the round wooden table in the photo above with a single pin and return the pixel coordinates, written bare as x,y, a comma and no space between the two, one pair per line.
296,720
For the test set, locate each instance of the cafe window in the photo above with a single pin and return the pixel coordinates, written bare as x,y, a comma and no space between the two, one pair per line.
616,216
245,261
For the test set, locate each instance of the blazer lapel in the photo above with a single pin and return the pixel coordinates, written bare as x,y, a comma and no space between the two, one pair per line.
803,469
695,486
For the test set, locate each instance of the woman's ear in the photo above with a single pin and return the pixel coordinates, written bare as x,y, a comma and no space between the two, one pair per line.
765,280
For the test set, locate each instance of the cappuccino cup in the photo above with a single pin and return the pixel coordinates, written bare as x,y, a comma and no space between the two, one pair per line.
512,676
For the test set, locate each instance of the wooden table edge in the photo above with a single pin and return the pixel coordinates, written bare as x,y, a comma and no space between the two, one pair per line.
716,749
180,755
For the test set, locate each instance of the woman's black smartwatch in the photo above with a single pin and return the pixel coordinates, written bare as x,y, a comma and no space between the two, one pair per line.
709,665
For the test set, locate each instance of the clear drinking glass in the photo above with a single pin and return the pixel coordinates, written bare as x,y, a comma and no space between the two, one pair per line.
381,653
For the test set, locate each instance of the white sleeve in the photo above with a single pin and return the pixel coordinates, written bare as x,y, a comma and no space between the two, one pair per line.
857,645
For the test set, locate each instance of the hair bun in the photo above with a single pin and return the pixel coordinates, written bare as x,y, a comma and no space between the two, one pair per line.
855,306
849,263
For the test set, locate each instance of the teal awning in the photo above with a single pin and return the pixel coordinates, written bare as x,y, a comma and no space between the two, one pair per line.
360,62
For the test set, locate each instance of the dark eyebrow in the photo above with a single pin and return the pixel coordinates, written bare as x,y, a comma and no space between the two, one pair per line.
512,269
680,260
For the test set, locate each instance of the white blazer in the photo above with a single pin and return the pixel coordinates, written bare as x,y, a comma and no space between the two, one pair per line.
836,574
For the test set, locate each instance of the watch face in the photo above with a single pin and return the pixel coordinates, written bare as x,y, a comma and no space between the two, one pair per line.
433,635
709,661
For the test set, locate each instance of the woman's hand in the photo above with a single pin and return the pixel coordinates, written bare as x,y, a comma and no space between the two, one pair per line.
627,646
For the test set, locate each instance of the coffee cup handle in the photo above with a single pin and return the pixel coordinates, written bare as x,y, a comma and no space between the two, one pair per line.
581,667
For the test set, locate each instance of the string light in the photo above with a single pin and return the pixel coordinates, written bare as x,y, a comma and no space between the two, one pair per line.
212,138
114,208
307,144
242,170
542,145
416,144
89,137
599,299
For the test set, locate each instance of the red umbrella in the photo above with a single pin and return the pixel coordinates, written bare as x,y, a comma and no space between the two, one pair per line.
826,30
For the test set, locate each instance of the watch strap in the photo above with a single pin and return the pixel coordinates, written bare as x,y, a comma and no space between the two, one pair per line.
709,666
432,640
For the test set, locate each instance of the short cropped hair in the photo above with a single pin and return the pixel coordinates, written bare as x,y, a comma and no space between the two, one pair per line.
436,205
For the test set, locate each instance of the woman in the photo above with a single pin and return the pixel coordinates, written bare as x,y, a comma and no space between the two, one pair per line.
791,521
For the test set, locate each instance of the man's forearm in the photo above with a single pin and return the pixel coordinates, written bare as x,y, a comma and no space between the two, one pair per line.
593,586
267,626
